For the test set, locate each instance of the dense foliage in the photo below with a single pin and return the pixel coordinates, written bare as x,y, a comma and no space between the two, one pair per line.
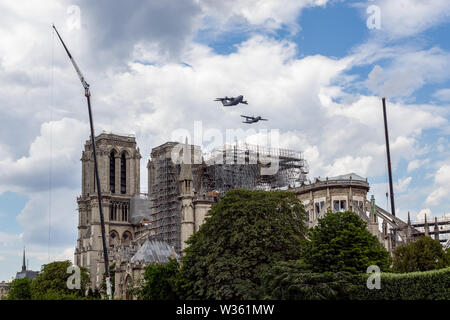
341,243
244,234
291,281
159,281
51,283
428,285
422,255
19,289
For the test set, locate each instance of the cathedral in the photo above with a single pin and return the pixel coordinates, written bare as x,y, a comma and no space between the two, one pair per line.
140,228
150,228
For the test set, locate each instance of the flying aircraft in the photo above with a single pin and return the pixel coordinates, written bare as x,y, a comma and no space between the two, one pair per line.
252,119
228,102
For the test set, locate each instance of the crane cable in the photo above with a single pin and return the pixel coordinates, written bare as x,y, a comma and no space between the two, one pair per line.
51,151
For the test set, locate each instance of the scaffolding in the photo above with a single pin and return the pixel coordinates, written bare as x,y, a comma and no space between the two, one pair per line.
247,166
231,167
164,195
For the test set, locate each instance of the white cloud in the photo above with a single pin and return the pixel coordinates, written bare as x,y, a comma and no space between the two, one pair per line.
347,164
404,18
58,144
416,164
266,14
7,239
409,72
402,185
442,185
424,212
442,94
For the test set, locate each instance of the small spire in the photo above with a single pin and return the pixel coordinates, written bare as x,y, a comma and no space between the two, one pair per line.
409,219
427,229
436,229
24,266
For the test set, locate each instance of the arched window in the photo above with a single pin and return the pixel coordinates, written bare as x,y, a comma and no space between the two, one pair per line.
123,174
114,239
112,172
126,237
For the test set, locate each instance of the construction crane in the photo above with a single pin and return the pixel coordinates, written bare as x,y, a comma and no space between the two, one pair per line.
87,93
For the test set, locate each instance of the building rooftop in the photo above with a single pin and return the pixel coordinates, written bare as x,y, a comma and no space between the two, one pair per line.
154,251
348,176
26,274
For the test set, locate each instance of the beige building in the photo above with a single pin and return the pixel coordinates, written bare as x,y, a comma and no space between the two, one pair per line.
118,167
4,289
342,193
133,221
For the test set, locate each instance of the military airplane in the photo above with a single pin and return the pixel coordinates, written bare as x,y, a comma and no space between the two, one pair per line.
228,102
249,119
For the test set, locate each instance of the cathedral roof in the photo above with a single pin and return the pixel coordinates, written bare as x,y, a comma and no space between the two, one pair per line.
26,274
153,251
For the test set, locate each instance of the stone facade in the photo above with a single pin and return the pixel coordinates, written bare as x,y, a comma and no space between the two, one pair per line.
118,165
341,193
126,231
4,289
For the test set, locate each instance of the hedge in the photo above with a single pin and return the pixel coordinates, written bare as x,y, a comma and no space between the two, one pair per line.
427,285
290,281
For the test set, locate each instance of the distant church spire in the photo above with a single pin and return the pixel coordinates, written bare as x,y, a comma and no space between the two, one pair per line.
436,229
24,266
427,229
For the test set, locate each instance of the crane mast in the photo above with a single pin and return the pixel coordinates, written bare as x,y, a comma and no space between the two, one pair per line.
97,179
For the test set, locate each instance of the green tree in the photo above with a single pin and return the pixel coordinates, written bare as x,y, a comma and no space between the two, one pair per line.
51,283
160,281
341,243
20,289
243,235
422,255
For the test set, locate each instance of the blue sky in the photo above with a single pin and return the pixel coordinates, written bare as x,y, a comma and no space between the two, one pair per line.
313,67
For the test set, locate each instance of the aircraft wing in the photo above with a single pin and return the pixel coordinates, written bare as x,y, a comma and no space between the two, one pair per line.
246,117
263,119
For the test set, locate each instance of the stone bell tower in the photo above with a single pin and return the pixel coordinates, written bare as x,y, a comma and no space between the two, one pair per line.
186,181
118,167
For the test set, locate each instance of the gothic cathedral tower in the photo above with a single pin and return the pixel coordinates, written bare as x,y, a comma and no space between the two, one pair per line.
186,181
118,166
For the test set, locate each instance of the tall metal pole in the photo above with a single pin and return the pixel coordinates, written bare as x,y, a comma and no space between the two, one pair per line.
391,188
97,179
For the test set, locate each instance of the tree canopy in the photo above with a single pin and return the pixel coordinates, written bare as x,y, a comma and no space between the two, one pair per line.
243,235
341,243
51,282
19,289
159,281
422,255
